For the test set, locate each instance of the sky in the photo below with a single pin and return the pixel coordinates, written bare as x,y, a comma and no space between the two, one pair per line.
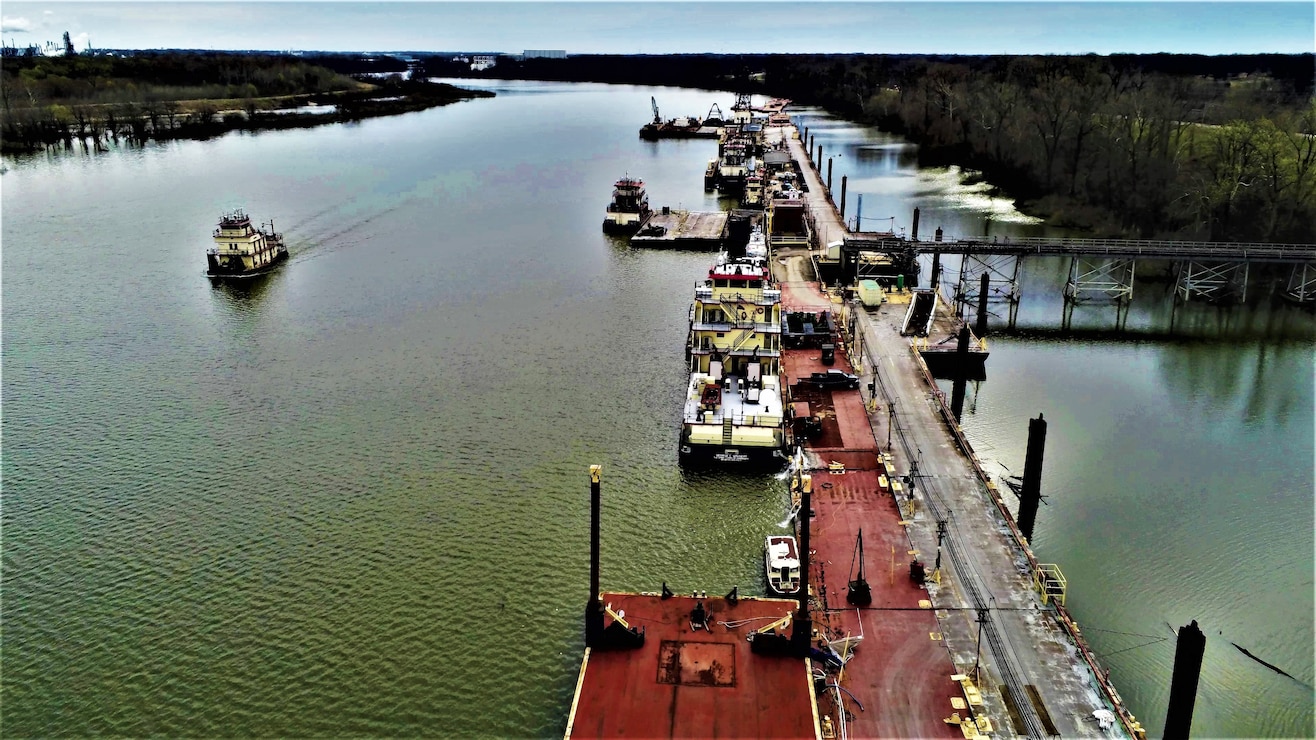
644,27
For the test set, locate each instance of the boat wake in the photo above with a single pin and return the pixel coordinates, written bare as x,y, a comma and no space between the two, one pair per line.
784,523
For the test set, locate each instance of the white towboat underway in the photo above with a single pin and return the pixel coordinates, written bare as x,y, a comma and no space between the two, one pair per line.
242,250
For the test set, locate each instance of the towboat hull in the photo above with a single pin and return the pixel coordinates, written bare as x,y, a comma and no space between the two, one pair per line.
216,270
720,456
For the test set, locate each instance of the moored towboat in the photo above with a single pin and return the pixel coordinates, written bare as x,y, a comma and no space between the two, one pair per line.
782,565
242,250
629,208
733,409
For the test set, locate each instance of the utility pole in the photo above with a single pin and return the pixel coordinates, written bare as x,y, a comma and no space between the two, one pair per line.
941,535
982,619
890,422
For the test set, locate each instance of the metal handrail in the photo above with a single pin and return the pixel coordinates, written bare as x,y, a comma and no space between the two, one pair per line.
1152,248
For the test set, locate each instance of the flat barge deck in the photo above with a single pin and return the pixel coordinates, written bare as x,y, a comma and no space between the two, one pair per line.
901,672
685,682
681,229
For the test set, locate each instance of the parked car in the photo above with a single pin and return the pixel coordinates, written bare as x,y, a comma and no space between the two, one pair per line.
805,424
832,379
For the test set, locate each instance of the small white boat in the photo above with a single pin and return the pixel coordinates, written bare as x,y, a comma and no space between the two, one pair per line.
782,565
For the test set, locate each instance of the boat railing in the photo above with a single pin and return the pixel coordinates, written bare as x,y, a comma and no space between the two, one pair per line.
743,352
760,326
753,296
769,421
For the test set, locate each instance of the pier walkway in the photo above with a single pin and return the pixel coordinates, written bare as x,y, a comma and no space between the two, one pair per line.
982,568
825,218
1111,248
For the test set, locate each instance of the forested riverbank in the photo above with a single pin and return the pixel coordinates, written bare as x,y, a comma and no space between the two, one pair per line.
1135,145
88,101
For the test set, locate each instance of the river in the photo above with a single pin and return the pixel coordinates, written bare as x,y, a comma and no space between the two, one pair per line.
351,498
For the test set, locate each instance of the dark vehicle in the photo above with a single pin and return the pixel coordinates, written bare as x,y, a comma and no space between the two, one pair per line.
832,379
805,424
828,353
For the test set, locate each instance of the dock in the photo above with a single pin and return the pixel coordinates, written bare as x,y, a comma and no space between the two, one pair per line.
681,229
926,613
1014,658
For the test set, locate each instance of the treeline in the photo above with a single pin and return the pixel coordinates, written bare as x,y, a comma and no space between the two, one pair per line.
1138,145
200,111
101,79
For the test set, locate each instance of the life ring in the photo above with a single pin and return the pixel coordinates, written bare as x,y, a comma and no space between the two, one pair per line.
758,310
744,315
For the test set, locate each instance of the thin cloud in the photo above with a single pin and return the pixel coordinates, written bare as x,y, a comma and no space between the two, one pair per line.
15,25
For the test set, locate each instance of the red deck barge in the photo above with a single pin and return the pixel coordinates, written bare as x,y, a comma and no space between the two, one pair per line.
901,671
693,683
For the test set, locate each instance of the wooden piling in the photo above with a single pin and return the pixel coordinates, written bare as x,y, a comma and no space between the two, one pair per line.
594,609
961,363
1031,492
983,286
1183,683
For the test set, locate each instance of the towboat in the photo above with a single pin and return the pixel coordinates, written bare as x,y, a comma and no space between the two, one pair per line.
629,209
781,563
733,409
242,250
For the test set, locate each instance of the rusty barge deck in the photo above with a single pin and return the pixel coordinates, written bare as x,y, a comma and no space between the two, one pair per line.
684,682
901,672
680,229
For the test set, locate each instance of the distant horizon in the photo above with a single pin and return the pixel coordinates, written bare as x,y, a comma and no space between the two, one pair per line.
664,28
468,52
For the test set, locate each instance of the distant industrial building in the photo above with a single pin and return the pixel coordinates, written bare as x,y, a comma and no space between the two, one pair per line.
481,62
544,54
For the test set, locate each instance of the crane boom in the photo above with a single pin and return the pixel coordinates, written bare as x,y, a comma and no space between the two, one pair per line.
653,102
